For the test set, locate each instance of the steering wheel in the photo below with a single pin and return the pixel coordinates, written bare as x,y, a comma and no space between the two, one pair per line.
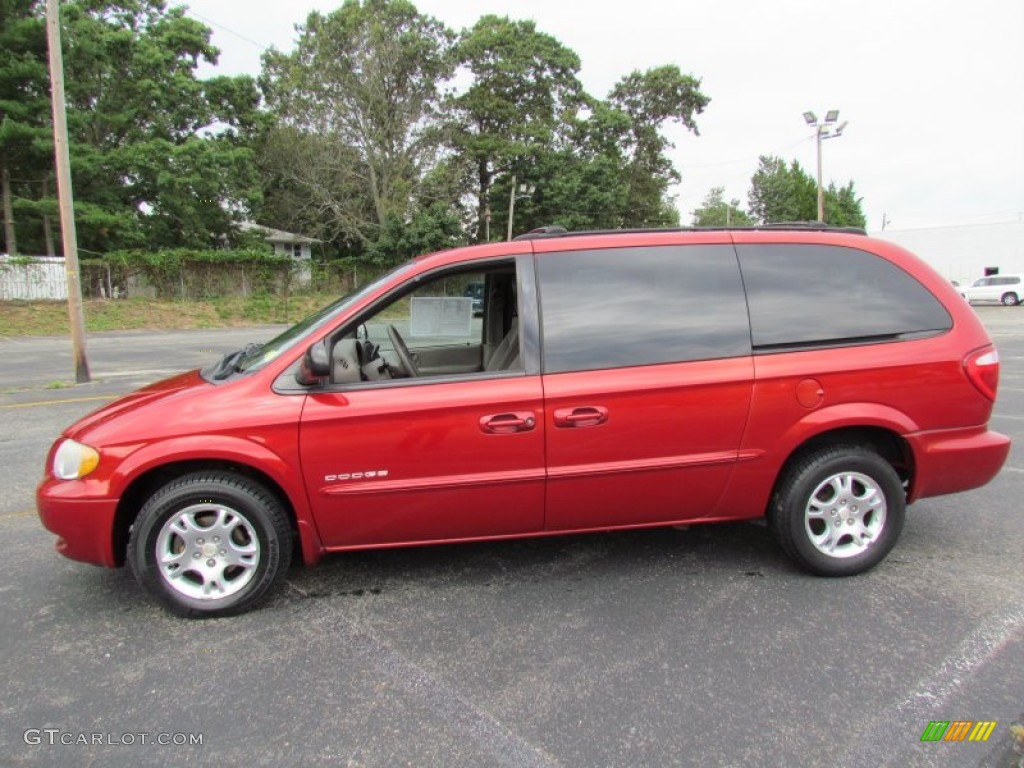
404,356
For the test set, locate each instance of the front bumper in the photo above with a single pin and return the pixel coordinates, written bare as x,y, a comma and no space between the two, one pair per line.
85,527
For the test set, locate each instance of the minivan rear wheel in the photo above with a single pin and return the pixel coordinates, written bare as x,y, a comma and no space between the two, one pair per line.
1010,299
838,511
210,544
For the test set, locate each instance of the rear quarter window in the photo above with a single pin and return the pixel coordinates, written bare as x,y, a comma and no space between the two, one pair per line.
621,307
821,295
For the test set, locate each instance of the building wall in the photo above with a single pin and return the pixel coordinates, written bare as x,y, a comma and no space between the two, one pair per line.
304,272
962,253
288,249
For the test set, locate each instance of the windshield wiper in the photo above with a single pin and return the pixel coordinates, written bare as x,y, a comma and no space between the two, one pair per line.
231,362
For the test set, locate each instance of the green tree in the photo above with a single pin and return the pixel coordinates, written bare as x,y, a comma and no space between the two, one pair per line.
787,193
843,207
608,167
653,99
356,104
782,193
523,88
716,212
431,228
159,157
575,192
25,167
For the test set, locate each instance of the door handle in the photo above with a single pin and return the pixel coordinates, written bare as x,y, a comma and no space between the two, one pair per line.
581,416
507,423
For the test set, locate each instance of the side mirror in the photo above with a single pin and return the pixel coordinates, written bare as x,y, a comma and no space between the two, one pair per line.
315,365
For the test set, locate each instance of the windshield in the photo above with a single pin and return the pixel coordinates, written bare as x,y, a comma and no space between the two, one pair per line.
281,343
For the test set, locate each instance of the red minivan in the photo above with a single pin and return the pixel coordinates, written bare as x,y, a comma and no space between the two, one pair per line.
604,380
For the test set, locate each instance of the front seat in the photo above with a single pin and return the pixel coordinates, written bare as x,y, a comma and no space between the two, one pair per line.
506,354
345,362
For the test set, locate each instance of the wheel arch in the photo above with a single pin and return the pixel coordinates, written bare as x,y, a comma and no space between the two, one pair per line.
824,545
887,443
306,540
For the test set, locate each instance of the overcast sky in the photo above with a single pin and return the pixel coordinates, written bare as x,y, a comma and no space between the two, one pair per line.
933,89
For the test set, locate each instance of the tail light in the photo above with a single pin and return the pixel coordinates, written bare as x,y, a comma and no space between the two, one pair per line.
982,368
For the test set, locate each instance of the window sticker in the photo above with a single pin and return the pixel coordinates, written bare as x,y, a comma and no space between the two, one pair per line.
440,316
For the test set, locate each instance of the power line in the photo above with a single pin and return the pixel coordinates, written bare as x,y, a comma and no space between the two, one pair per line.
239,35
748,159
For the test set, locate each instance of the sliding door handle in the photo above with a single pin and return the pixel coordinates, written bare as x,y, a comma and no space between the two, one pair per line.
581,416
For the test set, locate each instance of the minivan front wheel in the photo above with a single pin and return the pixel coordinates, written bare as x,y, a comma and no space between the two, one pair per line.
210,544
1010,299
838,511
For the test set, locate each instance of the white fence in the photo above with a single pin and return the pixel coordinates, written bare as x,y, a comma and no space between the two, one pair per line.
42,277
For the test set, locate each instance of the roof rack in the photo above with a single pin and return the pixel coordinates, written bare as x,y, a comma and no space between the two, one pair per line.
552,230
792,226
809,226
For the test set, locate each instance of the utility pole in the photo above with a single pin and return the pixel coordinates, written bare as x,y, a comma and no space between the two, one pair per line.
67,207
525,190
511,206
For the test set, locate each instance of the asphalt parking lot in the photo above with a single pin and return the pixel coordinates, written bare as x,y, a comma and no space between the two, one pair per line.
699,647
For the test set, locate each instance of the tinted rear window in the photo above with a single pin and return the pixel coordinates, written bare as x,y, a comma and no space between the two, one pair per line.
817,294
622,307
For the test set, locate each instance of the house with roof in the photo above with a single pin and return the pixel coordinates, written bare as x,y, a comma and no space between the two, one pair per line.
287,244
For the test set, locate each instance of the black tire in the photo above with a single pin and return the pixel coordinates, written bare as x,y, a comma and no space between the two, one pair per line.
1010,299
225,539
817,517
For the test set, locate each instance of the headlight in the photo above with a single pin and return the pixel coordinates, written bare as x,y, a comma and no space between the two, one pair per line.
74,460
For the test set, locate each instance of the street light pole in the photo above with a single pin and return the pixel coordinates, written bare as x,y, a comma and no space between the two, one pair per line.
821,196
824,130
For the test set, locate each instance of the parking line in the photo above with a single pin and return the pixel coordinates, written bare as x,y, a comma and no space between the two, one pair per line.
460,712
13,515
59,402
885,744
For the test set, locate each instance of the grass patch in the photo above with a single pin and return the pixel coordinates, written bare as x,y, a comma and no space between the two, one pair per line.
49,318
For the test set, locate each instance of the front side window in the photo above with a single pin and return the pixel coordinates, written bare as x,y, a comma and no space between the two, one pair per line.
304,328
452,324
821,295
621,307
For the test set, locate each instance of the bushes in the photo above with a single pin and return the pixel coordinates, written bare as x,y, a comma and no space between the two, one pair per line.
187,274
183,273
